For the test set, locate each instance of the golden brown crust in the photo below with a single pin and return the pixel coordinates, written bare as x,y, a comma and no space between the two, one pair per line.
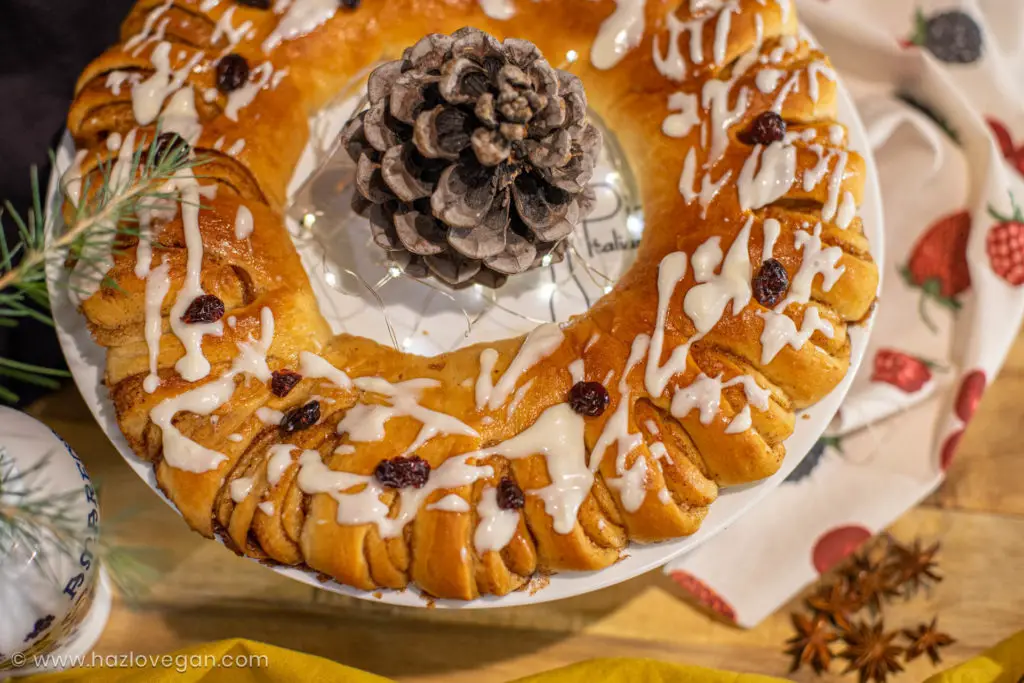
686,458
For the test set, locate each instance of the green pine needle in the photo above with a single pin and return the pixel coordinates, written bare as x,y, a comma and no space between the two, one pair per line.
106,213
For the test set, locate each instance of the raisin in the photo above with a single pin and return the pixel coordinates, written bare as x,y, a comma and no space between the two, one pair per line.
350,4
770,283
301,418
255,4
283,381
204,309
767,128
170,144
510,496
589,398
403,472
232,72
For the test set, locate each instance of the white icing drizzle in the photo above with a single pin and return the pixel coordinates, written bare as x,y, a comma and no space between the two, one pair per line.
235,438
158,283
114,142
680,124
741,423
673,65
815,69
835,182
539,344
616,428
241,98
632,485
590,342
705,395
266,507
97,257
772,228
149,95
708,189
813,176
758,187
767,80
116,79
180,116
779,329
278,462
450,503
787,46
619,33
847,210
71,181
836,134
659,452
704,304
792,85
193,365
243,222
519,396
365,422
218,143
179,451
300,18
269,416
314,366
241,488
665,496
652,426
345,449
365,506
502,10
147,34
226,29
207,5
236,148
497,527
577,371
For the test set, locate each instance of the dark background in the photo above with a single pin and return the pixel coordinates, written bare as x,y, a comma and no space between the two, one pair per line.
44,45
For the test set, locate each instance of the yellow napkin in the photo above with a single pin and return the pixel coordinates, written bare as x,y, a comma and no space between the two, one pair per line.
1004,663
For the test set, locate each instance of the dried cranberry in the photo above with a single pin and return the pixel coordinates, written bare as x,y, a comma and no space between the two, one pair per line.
770,283
403,472
350,4
204,309
767,128
232,72
302,417
257,4
510,496
283,381
589,398
170,144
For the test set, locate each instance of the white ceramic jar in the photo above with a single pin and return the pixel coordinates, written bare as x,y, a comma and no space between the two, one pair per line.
53,597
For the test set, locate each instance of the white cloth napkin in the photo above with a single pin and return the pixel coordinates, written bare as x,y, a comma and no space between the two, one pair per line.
951,302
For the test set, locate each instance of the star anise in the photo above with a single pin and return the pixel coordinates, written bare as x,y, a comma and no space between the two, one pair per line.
915,567
836,601
871,652
926,639
811,645
872,581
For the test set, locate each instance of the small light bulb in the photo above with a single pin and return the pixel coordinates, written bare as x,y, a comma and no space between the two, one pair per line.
546,260
394,270
308,220
571,56
607,288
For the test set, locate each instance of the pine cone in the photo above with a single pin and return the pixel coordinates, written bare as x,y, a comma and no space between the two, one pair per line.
473,157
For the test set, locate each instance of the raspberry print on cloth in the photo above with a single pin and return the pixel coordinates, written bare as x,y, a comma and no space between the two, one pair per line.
951,302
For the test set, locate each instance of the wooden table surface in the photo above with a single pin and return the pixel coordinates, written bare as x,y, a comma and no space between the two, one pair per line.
201,592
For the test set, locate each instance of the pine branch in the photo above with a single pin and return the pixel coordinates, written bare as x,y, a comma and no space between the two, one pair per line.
105,214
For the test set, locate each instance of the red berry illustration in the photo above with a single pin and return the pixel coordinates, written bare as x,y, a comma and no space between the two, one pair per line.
969,396
835,545
703,594
1003,138
938,263
949,449
903,371
1005,245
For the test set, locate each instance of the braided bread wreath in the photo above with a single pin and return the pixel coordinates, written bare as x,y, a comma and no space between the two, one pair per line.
706,379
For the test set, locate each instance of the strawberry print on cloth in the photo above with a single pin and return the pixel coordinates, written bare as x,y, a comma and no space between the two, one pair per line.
938,86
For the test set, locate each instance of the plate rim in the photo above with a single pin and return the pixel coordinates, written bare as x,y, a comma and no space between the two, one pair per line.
70,327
